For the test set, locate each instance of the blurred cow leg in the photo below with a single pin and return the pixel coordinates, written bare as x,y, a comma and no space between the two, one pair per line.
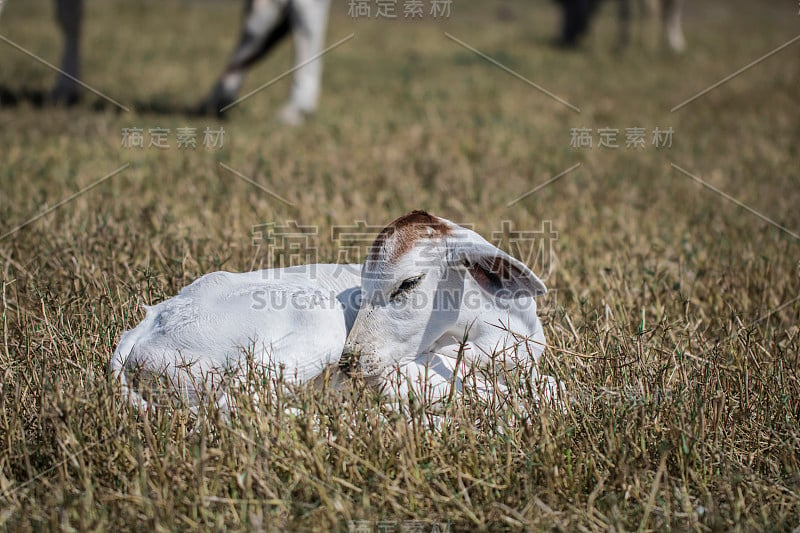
624,24
69,14
672,15
309,19
646,11
266,22
577,14
575,19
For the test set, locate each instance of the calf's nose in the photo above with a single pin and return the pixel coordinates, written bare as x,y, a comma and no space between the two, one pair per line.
348,362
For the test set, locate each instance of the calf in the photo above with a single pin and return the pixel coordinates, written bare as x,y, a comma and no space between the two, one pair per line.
436,300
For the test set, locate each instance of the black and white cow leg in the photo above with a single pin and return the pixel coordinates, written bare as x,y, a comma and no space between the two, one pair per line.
309,19
671,15
69,14
266,22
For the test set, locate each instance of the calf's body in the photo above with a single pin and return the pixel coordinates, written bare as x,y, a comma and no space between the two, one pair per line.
289,320
432,302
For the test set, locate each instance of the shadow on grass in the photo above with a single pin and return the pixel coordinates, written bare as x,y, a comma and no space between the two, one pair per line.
41,99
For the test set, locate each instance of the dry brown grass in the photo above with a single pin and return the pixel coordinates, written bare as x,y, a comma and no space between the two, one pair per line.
686,404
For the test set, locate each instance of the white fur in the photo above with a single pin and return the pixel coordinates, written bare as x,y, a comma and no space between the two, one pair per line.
296,320
422,332
293,320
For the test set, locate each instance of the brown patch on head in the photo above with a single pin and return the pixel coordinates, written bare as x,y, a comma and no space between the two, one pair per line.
405,231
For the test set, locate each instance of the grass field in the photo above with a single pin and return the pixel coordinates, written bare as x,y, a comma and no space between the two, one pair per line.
672,317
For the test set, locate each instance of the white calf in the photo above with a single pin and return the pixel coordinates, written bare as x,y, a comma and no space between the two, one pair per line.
428,285
293,320
431,290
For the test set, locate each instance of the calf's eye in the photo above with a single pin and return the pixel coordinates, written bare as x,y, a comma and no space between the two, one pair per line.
407,285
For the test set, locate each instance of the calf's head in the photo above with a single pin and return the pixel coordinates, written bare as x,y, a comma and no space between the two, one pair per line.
425,282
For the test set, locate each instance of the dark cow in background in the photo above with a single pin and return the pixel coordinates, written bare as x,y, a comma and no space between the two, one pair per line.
266,22
577,14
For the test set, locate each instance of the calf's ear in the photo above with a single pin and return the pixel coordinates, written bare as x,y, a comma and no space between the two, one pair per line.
495,271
